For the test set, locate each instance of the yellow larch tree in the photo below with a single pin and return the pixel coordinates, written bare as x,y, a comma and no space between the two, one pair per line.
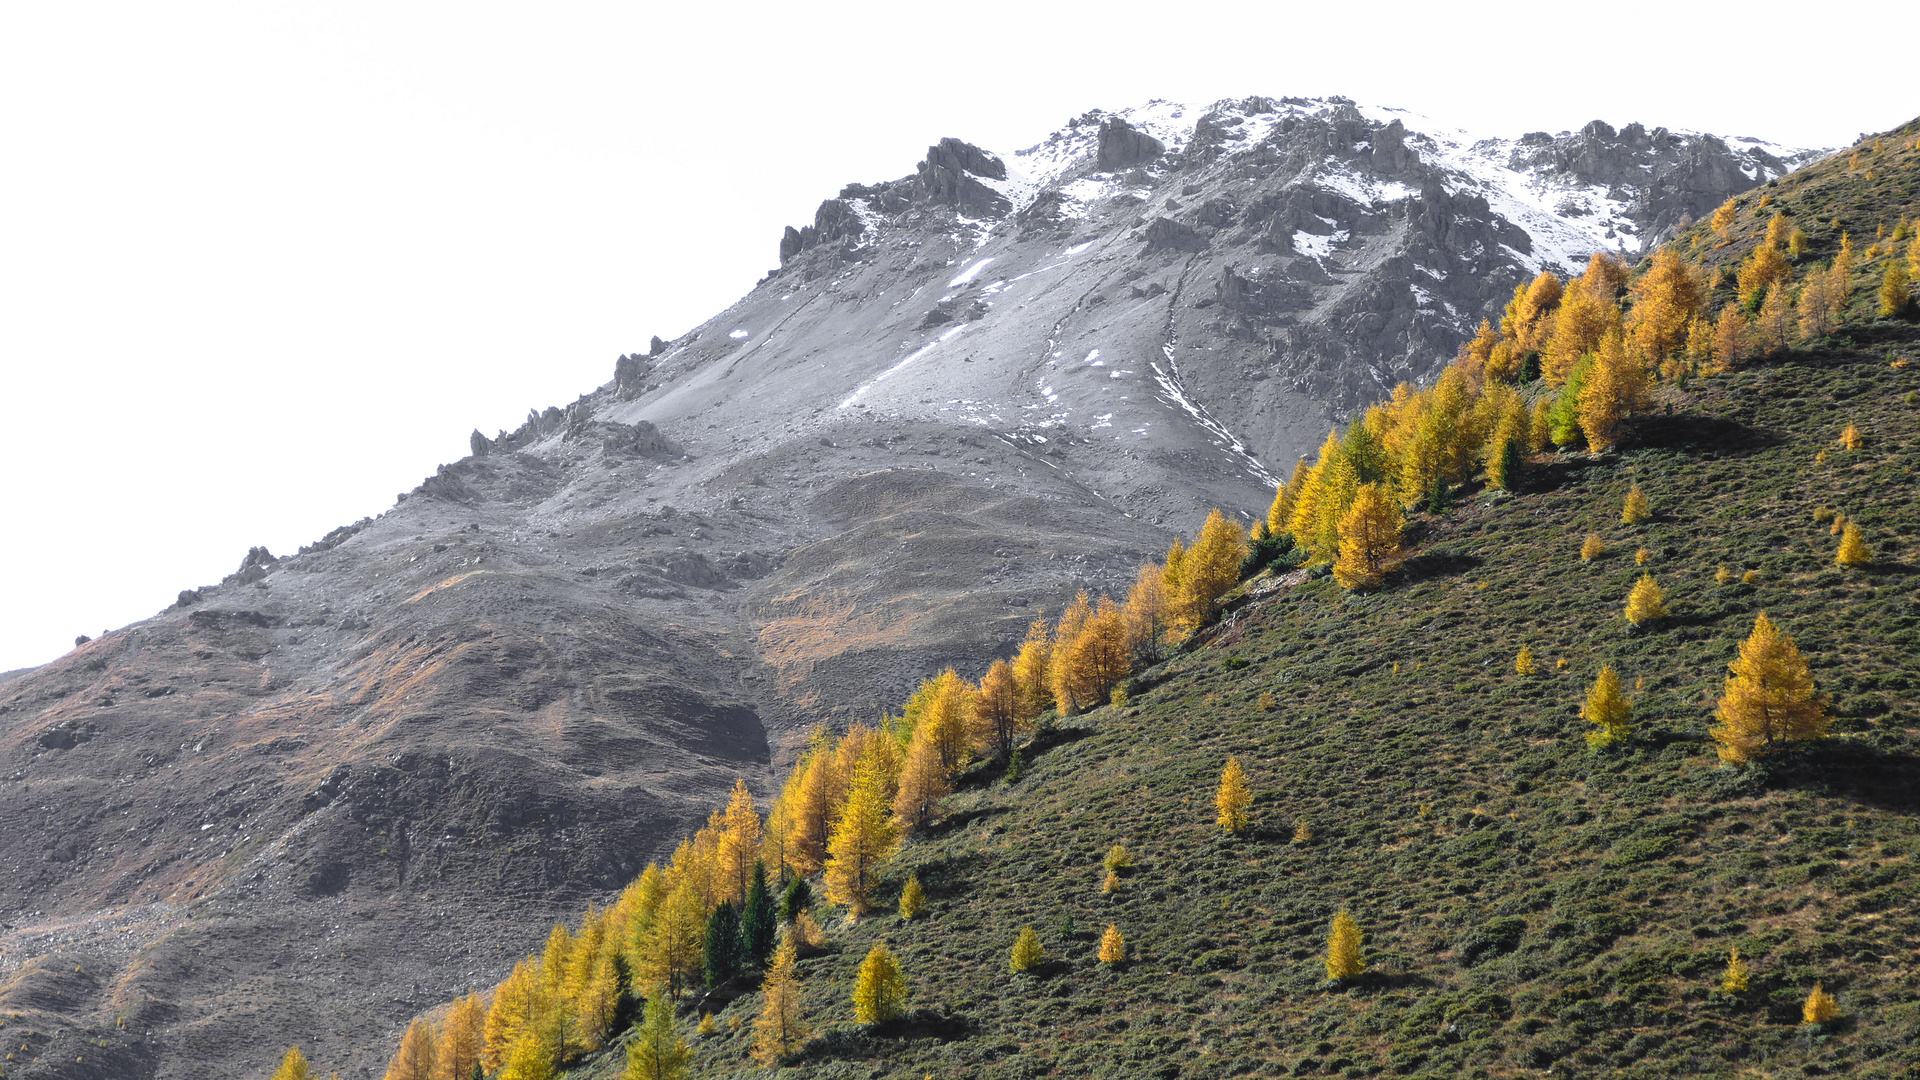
1850,438
1736,978
674,957
1343,949
863,837
948,718
1066,634
1212,567
1616,388
1113,945
923,783
1820,1007
1665,300
419,1054
1769,697
1026,953
1853,552
1895,294
1763,269
1032,670
879,990
1148,614
1523,663
781,1027
1608,709
462,1038
1636,509
656,1051
1773,327
1529,317
1097,659
1474,357
1369,538
293,1066
1233,802
739,844
913,899
1723,218
997,711
1584,319
645,897
517,1009
1732,339
1305,524
1646,602
821,788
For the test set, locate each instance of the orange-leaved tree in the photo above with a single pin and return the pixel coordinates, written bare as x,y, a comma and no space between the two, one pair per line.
1769,699
1369,538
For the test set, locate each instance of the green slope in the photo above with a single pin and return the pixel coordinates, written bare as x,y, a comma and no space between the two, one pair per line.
1529,904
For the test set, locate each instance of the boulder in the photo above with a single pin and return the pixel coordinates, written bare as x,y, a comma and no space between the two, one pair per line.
1122,144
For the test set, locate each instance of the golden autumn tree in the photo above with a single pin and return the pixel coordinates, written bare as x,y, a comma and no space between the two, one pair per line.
913,899
1523,662
1608,709
1665,300
1113,945
1732,339
1147,614
739,843
923,783
1723,218
781,1027
1212,567
1032,671
1646,602
1773,326
1820,1007
1026,953
1769,698
947,716
1765,268
1636,509
1853,552
1584,319
419,1054
675,954
1343,949
462,1038
656,1051
1066,634
1369,538
1097,659
1736,978
518,1006
863,837
1895,294
293,1066
1233,801
819,792
879,990
1615,389
997,710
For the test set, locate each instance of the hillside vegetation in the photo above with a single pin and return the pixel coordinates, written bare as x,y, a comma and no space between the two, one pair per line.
1413,724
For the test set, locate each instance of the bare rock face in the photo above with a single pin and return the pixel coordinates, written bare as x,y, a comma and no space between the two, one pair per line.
333,790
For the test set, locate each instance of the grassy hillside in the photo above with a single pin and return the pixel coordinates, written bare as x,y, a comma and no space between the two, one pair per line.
1529,905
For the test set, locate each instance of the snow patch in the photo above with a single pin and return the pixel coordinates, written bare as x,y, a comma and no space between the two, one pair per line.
971,272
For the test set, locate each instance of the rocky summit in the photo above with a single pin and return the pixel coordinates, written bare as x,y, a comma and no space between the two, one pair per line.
306,803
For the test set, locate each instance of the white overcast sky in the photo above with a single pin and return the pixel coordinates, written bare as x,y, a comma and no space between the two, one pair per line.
264,265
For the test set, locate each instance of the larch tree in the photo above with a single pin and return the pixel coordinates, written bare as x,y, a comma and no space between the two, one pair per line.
1100,657
1736,978
1369,538
739,843
1615,388
1820,1007
1723,218
293,1066
1732,339
649,892
1774,325
462,1038
1147,615
419,1054
1636,509
1523,662
1895,294
1032,670
1764,269
923,783
516,1009
1113,945
997,712
822,786
656,1051
1307,514
879,990
948,719
913,899
1853,552
675,952
863,837
1769,698
1212,567
1646,602
781,1028
1608,709
1343,949
1066,634
1027,952
1233,802
1665,300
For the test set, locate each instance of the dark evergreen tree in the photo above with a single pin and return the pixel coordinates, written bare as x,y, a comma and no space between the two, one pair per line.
626,1004
723,945
797,898
759,922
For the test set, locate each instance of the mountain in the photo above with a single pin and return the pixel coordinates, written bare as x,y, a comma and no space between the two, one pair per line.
1421,755
311,800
